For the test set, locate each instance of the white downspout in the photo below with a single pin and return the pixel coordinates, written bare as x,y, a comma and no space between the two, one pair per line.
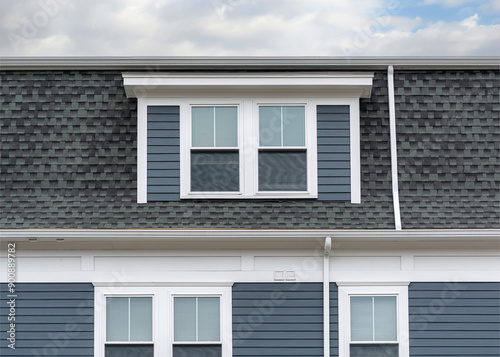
394,153
326,297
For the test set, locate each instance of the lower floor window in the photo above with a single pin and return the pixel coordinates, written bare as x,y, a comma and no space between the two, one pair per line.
163,321
373,321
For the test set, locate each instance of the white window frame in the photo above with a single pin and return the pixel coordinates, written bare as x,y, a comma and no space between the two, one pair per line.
399,291
163,314
326,88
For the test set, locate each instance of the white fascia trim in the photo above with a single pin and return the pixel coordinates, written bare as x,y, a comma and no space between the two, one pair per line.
139,85
131,235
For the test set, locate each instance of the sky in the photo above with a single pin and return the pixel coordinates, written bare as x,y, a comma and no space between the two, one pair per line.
249,28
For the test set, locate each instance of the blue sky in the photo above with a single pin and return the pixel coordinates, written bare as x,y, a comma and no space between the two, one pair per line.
249,28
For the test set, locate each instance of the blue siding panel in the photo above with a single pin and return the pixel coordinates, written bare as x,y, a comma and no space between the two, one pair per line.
51,320
163,153
454,319
277,319
334,320
334,159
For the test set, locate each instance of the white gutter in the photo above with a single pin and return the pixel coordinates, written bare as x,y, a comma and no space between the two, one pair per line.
248,235
326,297
154,64
394,153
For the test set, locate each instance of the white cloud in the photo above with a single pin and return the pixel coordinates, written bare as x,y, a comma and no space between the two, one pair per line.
446,3
247,27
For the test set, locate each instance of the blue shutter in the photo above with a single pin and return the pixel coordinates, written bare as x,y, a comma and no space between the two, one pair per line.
334,157
163,153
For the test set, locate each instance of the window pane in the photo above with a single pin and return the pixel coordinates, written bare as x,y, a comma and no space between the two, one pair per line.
117,318
198,351
129,351
215,171
202,119
270,126
208,319
282,171
385,350
361,318
385,318
226,127
184,319
141,319
294,126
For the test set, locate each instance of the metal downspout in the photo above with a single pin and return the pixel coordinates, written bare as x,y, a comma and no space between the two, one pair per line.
394,153
326,297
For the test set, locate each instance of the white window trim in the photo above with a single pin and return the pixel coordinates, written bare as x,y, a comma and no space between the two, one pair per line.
401,293
248,145
174,88
163,337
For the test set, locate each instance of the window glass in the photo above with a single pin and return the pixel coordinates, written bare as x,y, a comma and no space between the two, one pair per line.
198,351
282,171
376,350
214,127
129,319
129,351
213,171
373,318
197,319
281,126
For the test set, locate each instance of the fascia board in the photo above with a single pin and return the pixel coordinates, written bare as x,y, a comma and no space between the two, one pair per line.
236,235
139,85
154,64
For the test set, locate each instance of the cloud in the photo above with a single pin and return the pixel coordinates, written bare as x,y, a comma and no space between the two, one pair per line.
237,27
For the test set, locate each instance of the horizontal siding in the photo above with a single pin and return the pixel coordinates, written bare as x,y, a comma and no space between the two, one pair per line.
334,320
163,153
51,320
454,319
277,319
334,160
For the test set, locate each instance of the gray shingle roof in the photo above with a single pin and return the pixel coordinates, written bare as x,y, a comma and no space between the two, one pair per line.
448,148
68,160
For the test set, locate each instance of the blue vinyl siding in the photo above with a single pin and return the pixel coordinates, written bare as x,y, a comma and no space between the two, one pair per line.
334,320
334,158
278,319
163,153
454,319
51,320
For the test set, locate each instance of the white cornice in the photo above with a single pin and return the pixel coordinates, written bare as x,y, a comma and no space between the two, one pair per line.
253,235
154,64
138,85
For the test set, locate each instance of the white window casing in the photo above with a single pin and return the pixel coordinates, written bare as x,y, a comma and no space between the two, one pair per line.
346,291
163,313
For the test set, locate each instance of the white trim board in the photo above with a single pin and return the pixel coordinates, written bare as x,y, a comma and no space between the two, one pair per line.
246,235
165,266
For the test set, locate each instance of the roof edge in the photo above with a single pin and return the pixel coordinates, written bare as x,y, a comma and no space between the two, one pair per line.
130,235
155,64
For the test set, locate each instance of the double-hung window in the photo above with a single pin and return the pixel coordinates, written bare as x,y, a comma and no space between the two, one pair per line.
373,321
282,148
214,149
163,321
